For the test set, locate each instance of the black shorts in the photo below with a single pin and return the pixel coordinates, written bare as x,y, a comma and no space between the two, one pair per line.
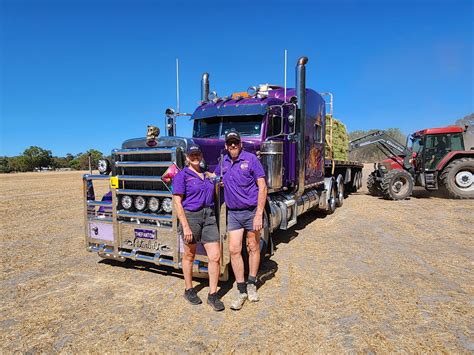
203,225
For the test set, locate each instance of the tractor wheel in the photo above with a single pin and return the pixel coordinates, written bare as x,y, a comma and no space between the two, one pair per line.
373,185
397,185
458,178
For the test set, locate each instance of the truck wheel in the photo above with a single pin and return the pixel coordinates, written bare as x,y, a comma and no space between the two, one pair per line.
332,201
340,195
458,180
397,185
373,185
359,180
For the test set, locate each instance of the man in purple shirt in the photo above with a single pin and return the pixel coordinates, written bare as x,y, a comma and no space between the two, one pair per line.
245,194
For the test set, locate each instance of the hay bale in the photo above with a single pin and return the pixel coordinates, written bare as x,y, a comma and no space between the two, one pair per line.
337,146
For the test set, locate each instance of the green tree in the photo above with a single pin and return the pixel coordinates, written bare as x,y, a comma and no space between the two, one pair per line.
19,163
5,165
37,157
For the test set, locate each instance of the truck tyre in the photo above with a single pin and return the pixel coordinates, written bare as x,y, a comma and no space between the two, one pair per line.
458,179
340,195
332,199
359,180
397,185
373,185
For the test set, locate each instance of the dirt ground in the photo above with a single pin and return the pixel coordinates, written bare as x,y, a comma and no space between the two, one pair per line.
377,276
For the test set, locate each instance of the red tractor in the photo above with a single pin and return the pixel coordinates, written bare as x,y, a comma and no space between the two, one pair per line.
437,158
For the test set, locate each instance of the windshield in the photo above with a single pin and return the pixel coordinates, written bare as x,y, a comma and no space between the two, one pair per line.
415,144
214,127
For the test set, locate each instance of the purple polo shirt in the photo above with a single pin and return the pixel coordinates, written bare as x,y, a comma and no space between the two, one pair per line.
240,180
198,193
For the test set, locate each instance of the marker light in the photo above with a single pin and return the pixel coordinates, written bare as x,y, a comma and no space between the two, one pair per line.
153,204
167,205
140,203
126,202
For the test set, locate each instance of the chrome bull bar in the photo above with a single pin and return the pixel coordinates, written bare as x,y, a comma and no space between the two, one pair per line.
118,226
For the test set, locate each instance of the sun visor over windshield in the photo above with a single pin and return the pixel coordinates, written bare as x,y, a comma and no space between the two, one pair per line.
231,110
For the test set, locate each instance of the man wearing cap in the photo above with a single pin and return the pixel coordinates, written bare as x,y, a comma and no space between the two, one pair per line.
193,196
245,194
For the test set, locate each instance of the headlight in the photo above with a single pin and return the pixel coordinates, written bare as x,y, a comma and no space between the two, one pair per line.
126,202
140,203
153,204
167,205
103,166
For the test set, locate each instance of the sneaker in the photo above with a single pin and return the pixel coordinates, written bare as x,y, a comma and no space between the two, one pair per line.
238,301
214,301
191,296
252,292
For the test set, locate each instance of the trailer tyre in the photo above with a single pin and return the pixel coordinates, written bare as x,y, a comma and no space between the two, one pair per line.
397,185
340,195
332,200
458,178
373,185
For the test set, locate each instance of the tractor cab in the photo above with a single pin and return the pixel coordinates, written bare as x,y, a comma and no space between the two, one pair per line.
430,146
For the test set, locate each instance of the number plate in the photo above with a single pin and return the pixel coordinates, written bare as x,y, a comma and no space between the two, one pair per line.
145,239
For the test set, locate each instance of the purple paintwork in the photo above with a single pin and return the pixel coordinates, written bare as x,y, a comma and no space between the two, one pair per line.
315,111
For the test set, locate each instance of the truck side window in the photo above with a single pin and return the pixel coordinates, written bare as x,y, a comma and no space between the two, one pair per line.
318,133
274,126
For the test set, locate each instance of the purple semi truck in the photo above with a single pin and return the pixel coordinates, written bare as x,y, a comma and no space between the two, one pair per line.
285,128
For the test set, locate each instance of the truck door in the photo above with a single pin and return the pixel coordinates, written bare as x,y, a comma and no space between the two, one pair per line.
314,169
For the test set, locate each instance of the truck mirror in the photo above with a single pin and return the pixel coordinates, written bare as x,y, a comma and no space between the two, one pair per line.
169,112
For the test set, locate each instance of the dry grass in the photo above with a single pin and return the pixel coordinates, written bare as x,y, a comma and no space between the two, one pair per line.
377,276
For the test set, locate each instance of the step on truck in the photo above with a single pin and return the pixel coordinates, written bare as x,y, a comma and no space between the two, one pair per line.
284,127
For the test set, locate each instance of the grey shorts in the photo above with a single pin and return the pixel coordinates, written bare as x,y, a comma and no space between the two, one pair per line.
238,219
203,225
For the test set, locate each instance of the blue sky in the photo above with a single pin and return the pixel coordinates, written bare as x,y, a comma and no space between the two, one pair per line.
89,74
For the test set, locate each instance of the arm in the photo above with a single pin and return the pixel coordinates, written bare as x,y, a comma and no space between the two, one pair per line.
188,234
262,198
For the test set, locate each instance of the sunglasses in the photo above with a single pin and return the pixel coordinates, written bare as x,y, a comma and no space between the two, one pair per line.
233,142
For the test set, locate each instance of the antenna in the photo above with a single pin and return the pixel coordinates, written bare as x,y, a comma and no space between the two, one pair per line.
286,52
177,85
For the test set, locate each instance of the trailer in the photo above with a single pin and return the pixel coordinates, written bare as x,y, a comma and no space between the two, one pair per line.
284,127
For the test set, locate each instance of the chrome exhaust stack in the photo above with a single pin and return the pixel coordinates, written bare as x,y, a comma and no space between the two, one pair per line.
301,121
205,87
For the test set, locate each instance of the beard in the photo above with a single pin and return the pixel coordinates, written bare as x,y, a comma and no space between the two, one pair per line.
234,153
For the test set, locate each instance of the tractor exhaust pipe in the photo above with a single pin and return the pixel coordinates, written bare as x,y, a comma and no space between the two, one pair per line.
301,121
205,87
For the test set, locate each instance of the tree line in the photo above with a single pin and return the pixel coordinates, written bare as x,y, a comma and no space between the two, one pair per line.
36,159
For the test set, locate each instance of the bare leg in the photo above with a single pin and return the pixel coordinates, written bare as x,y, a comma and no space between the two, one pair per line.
188,259
235,250
253,244
213,252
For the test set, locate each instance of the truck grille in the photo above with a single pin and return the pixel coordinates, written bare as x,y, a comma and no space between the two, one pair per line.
139,172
